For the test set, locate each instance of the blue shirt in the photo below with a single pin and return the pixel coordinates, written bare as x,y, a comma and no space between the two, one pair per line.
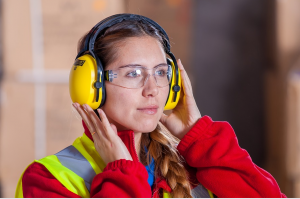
150,169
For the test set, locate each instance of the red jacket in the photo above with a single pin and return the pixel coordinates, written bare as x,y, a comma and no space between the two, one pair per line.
210,149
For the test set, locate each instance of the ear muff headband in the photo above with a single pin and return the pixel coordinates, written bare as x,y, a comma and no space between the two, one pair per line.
115,19
92,32
110,21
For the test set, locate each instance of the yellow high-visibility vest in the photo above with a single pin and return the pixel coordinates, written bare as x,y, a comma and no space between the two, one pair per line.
77,165
74,167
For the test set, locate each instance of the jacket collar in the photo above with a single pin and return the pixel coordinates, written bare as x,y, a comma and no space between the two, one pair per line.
128,138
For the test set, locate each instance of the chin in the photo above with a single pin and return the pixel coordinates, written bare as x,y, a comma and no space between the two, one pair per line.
145,127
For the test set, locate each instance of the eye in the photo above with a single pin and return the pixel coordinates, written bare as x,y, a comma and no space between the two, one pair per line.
134,73
160,73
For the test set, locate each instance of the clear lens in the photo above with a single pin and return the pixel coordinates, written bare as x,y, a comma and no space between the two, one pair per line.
135,77
162,75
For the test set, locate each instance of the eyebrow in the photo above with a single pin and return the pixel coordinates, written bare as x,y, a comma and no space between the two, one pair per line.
140,66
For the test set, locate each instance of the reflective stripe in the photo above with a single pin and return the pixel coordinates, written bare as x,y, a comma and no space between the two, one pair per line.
200,192
72,159
87,148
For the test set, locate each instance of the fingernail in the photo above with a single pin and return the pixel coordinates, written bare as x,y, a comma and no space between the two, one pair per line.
84,106
75,105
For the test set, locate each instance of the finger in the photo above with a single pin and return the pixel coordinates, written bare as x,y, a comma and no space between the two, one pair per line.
85,117
105,122
187,86
96,122
186,80
114,128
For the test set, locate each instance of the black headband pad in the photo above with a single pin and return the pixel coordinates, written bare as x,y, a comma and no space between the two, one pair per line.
115,19
88,37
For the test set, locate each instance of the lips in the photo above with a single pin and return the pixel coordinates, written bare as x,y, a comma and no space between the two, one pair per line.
150,110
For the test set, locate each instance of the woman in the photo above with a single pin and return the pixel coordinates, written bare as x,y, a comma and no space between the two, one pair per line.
134,149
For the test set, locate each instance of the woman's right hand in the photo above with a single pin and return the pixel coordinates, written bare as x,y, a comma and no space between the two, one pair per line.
106,140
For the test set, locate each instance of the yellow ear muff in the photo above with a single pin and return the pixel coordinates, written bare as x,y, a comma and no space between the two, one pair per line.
82,78
171,104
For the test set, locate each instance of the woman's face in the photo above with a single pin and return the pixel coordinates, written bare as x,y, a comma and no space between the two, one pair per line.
136,109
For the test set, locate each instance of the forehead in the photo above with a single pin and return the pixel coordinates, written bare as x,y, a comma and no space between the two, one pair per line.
145,51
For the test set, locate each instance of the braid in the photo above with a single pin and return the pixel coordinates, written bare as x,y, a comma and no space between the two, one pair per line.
161,146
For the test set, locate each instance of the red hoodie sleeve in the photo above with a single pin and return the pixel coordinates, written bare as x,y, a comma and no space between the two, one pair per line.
222,166
121,178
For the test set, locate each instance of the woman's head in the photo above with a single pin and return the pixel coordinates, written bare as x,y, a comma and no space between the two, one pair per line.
139,109
140,44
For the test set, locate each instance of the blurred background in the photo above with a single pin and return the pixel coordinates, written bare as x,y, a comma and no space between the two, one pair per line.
242,56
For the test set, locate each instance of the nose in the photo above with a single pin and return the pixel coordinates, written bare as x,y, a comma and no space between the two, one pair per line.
150,88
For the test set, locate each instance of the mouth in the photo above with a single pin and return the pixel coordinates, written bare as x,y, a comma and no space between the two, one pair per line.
150,110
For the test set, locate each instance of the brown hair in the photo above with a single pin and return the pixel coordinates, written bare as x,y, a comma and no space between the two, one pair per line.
161,144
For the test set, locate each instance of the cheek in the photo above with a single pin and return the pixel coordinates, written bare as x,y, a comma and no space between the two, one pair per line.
117,99
164,92
119,103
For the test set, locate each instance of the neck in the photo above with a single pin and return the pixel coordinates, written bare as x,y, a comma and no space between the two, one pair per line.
137,143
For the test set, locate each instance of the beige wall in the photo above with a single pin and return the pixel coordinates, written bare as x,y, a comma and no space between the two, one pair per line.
293,133
282,91
289,42
64,22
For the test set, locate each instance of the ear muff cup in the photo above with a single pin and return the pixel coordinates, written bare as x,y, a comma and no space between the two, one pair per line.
82,79
171,103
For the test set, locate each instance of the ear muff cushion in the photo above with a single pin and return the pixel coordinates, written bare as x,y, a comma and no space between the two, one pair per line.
81,81
101,94
170,103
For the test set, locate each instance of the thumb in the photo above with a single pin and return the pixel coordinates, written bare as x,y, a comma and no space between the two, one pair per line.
114,128
163,119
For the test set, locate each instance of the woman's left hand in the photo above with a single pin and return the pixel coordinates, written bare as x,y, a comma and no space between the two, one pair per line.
186,113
